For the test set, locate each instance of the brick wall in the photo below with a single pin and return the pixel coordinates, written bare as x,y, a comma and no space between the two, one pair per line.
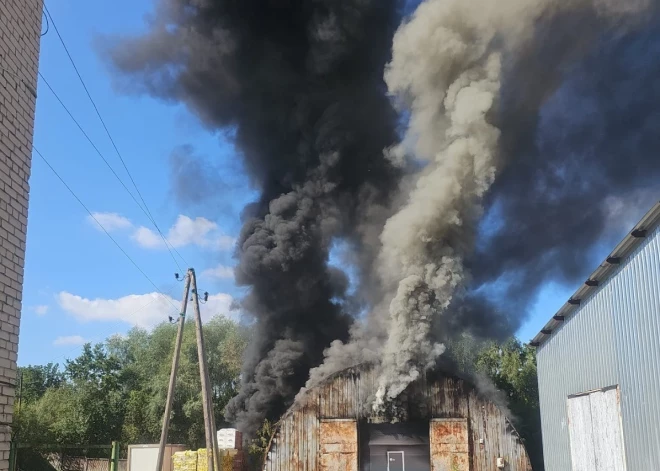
20,33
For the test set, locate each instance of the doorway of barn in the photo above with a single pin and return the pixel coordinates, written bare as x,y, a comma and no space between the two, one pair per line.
395,447
395,461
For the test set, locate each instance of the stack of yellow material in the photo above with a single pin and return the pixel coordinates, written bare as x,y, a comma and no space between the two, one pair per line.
197,461
202,462
185,461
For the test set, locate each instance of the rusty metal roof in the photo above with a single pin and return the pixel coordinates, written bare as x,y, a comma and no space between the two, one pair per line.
607,269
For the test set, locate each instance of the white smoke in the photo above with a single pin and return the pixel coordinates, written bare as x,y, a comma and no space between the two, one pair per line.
446,71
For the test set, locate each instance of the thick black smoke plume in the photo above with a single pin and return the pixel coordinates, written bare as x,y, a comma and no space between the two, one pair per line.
301,82
530,124
578,120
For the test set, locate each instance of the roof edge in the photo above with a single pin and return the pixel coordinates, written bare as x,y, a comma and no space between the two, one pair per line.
604,272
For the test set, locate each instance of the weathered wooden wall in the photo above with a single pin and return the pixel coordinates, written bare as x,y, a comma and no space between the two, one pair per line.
296,446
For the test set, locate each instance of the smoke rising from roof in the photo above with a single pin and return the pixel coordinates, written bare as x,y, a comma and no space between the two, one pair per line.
519,113
301,85
479,79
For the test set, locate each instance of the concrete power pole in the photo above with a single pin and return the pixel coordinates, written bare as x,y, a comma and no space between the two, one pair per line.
175,367
212,451
207,398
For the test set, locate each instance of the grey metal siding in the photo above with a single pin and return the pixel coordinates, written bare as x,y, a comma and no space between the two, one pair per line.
613,339
636,311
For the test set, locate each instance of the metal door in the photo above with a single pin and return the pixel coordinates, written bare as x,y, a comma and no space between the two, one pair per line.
338,445
396,461
450,448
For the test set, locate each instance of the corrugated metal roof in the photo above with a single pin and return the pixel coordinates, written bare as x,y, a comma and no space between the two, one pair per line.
606,269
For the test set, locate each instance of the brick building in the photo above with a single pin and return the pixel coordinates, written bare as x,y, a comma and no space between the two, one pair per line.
20,33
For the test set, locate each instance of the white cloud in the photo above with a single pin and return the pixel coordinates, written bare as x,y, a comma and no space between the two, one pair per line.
72,340
110,221
148,239
220,272
220,304
41,310
141,310
186,231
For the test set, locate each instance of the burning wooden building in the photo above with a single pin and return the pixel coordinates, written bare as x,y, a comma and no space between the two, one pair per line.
438,424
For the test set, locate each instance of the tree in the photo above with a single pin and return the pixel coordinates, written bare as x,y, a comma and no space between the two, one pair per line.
117,389
260,445
512,367
145,360
36,380
94,367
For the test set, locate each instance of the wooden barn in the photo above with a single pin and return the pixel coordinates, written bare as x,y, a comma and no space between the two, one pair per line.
439,423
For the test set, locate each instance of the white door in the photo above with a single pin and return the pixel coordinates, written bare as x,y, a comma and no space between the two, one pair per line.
594,426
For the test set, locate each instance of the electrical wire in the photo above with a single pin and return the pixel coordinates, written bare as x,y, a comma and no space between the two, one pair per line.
104,229
89,139
98,113
47,25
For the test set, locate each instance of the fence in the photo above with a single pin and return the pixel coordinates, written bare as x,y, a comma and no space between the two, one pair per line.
28,457
72,463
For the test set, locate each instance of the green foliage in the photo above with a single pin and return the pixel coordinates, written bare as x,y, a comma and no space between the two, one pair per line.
260,444
36,380
137,427
116,390
512,367
94,367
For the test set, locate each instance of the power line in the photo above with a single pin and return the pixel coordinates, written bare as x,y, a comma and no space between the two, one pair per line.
107,334
98,113
103,228
89,139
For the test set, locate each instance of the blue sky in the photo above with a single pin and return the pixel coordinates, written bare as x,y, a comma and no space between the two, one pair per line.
78,285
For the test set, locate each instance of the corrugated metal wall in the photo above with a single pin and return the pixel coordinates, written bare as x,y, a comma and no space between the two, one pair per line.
613,339
296,445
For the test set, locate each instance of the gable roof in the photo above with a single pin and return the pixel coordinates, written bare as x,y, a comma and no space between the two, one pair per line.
617,257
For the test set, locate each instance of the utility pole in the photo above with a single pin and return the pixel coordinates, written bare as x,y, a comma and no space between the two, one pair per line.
207,402
175,366
214,436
